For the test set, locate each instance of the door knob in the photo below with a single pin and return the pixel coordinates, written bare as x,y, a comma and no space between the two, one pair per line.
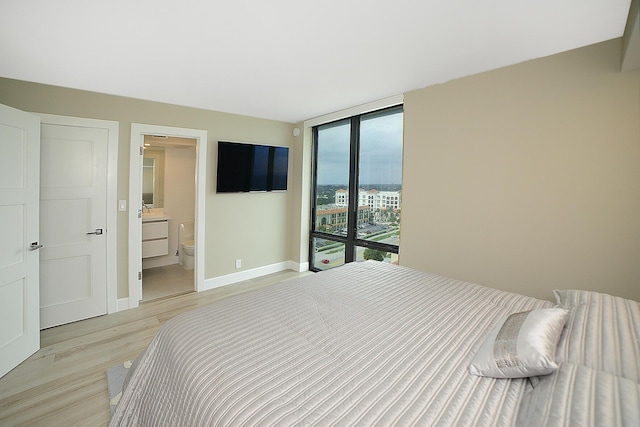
97,232
35,246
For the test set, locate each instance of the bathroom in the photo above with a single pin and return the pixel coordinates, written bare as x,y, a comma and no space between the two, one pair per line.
168,194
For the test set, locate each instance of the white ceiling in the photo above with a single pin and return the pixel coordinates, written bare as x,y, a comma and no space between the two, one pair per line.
287,60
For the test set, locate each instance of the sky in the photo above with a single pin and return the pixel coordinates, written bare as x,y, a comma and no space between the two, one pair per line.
380,151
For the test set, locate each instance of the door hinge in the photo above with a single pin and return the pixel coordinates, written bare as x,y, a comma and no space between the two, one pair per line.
139,275
141,151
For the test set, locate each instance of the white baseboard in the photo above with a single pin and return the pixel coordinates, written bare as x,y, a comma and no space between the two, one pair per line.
216,282
298,266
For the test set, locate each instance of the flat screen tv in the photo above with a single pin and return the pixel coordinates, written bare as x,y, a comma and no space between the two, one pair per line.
250,167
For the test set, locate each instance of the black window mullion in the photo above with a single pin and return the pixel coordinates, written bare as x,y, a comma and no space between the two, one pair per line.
314,180
385,247
314,184
352,213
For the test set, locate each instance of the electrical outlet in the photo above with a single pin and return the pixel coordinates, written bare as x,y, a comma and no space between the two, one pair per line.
238,263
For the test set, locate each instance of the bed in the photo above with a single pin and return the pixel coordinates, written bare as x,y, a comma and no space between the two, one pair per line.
368,344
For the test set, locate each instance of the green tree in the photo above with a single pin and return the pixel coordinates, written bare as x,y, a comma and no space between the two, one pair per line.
373,254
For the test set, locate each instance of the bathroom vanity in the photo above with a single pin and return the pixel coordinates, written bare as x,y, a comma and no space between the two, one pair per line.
155,235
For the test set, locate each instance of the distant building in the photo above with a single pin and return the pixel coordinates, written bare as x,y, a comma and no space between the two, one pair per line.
342,197
334,217
373,198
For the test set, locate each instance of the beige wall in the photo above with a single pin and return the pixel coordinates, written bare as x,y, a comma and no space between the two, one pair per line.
180,190
253,227
300,188
527,178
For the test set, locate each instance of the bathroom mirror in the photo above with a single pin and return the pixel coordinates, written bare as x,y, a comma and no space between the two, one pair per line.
153,178
148,166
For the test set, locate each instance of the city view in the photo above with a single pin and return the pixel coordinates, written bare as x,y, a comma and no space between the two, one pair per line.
378,221
377,168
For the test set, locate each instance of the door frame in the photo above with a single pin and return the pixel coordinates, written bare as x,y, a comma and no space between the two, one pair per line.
111,231
138,131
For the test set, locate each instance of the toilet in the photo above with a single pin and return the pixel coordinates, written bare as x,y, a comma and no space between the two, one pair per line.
186,252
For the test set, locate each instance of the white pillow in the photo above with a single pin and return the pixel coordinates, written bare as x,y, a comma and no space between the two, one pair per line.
521,345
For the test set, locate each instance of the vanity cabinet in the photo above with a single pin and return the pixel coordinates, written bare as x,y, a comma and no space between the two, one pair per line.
155,238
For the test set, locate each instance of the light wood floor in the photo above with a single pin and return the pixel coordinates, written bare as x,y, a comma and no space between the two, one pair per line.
64,383
160,282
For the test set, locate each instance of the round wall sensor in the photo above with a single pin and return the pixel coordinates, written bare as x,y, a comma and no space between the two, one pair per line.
296,131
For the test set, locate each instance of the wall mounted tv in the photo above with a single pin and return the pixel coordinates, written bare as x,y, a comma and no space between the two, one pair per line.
249,167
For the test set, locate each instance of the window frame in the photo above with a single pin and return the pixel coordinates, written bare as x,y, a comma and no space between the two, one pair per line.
351,240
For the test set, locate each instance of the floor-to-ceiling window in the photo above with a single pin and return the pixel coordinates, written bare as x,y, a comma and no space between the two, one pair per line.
357,189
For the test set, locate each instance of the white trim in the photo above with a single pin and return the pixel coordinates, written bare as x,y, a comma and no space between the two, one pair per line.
135,200
241,276
123,304
112,194
135,209
354,111
298,266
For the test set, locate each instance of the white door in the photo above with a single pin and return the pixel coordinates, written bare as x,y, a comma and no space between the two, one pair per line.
73,186
19,184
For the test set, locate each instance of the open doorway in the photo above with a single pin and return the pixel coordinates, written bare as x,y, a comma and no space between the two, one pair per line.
168,216
166,219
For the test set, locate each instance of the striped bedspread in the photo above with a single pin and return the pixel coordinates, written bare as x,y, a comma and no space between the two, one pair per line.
364,344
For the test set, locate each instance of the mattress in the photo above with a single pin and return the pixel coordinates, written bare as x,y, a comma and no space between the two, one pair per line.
363,344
